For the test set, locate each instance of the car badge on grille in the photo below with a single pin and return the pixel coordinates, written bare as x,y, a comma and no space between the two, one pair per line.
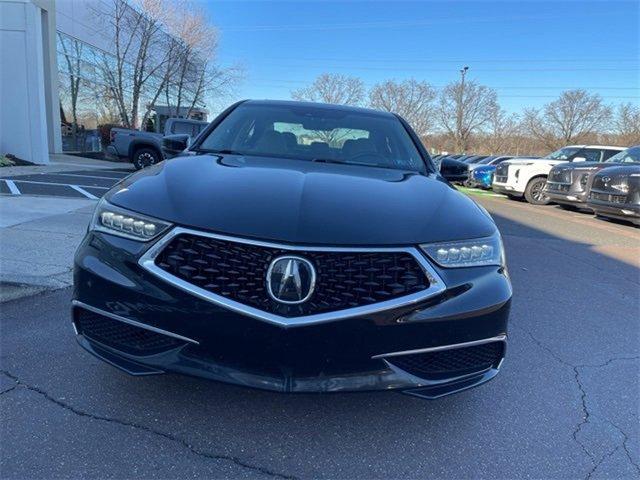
606,180
290,279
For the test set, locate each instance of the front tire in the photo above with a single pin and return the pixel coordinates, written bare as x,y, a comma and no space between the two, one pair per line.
534,193
145,157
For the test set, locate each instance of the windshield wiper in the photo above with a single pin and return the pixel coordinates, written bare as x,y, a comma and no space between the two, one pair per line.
328,160
218,152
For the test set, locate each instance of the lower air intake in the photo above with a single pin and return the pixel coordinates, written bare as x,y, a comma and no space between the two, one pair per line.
451,363
122,336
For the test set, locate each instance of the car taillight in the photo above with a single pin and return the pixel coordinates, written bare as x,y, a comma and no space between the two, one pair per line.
112,135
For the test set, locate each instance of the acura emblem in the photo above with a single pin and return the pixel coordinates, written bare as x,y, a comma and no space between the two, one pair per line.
290,279
606,179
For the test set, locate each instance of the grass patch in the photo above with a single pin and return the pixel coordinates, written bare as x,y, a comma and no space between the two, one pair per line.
478,191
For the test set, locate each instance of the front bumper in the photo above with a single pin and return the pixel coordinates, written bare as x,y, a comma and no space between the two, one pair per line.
566,194
208,340
627,212
506,189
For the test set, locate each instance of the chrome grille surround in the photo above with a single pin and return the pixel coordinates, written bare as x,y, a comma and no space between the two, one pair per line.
436,284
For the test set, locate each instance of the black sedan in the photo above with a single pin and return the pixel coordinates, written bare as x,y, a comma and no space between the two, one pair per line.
296,247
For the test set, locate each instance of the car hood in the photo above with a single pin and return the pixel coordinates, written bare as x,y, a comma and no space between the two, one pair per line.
302,202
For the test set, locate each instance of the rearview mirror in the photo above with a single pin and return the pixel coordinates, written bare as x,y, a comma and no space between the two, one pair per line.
579,159
172,145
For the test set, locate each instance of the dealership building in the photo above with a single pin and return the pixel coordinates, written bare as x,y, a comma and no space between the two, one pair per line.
53,92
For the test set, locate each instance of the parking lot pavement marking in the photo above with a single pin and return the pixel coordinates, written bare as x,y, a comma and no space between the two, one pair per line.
84,192
103,177
12,187
57,184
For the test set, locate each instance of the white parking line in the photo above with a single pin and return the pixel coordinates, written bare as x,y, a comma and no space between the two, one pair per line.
55,183
83,192
12,187
86,176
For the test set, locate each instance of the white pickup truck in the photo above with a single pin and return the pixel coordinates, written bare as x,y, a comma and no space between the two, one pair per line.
526,177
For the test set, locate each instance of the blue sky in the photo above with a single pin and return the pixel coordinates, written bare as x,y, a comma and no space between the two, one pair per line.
528,51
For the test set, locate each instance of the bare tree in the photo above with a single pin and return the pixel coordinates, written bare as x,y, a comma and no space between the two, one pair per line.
411,99
626,124
501,132
333,88
464,108
574,116
72,51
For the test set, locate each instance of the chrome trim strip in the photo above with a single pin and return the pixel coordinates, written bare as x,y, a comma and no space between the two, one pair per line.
147,261
499,338
77,303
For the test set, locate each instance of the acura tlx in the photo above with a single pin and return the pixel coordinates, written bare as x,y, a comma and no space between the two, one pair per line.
296,247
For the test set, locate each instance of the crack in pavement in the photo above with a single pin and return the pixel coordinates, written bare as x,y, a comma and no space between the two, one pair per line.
586,414
7,390
599,462
144,428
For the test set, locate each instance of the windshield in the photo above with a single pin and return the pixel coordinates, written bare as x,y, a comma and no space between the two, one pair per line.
631,155
563,153
318,134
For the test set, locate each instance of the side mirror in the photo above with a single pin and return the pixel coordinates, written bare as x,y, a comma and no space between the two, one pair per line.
173,145
454,171
579,159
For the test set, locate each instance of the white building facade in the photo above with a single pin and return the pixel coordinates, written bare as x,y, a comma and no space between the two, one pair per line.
53,94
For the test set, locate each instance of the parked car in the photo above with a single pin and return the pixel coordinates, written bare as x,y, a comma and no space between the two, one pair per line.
526,177
482,175
145,148
454,170
483,161
615,193
270,258
568,184
474,159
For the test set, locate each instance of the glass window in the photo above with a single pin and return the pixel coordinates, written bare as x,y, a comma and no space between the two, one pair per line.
183,128
590,154
316,134
563,154
608,154
631,155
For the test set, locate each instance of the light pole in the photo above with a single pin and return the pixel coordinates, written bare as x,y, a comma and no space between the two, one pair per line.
463,72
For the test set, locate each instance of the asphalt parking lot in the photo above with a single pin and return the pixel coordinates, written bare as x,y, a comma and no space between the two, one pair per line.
564,406
90,184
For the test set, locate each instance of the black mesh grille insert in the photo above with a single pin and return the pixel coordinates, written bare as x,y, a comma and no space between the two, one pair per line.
122,336
450,363
344,279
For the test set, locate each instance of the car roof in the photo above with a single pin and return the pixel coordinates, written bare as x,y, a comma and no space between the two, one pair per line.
611,147
327,106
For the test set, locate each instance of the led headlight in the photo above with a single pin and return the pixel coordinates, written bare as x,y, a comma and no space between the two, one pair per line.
118,221
467,253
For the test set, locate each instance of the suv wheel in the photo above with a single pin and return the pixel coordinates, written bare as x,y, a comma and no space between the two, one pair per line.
145,157
534,193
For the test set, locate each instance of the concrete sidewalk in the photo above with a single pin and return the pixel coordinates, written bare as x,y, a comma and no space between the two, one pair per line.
38,237
61,163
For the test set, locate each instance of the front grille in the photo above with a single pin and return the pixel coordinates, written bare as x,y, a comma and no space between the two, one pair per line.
502,171
607,197
450,363
605,183
560,175
122,336
557,187
237,271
